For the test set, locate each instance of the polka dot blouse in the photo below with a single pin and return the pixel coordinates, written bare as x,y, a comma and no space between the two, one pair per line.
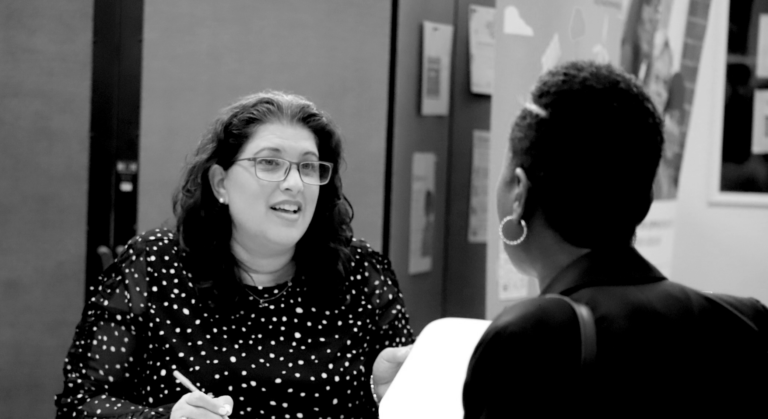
282,358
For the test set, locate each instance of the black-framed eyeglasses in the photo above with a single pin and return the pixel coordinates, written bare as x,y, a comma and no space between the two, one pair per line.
273,169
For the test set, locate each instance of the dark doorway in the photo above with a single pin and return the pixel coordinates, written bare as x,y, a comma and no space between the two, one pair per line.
114,142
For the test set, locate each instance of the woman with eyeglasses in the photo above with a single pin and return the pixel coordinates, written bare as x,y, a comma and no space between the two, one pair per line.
260,297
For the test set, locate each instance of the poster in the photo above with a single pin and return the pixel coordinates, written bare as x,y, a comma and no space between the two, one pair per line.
656,35
437,47
740,162
761,70
652,49
760,122
482,49
478,190
422,222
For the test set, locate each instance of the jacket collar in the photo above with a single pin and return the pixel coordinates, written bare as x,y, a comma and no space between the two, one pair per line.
600,267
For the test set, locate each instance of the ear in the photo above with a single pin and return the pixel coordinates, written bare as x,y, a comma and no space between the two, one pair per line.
216,177
519,193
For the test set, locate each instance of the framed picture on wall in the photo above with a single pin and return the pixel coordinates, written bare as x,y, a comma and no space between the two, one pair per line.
742,158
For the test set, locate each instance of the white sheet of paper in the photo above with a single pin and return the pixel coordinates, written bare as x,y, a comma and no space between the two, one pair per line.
436,68
552,54
514,24
431,381
482,49
478,190
760,122
761,67
422,222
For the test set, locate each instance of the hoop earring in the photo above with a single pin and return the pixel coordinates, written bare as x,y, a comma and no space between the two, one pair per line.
512,242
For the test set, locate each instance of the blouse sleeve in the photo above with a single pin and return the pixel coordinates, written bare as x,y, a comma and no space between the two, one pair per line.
106,349
387,299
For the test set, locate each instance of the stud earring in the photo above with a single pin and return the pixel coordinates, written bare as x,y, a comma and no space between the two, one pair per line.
222,201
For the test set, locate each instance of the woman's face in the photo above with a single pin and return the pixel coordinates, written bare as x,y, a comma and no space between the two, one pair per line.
275,214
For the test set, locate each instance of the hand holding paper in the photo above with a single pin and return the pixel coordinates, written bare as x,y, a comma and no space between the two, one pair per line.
386,366
430,383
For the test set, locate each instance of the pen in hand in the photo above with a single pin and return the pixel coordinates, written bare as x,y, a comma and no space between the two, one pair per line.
185,381
191,387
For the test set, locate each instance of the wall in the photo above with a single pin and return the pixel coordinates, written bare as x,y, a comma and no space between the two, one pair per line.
45,73
414,133
464,293
193,66
717,248
199,56
518,65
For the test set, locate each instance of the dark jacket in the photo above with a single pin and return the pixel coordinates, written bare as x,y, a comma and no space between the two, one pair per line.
662,347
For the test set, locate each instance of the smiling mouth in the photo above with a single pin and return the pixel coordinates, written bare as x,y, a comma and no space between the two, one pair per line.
287,209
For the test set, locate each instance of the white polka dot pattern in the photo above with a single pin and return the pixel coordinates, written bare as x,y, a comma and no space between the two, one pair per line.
289,359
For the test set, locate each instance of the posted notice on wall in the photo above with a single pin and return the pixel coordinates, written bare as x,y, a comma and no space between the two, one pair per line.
760,122
422,223
482,49
478,190
664,74
761,66
437,47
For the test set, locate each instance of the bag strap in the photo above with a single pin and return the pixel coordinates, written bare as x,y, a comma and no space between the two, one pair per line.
587,328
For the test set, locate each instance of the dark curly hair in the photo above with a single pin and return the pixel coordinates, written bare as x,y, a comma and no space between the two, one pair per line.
590,143
204,225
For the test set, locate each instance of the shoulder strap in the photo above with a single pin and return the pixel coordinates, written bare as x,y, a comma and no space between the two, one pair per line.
718,299
587,327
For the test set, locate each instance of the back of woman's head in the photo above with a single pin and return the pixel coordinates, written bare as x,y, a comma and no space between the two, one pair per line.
204,225
590,142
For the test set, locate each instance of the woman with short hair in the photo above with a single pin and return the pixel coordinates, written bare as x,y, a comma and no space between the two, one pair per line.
577,182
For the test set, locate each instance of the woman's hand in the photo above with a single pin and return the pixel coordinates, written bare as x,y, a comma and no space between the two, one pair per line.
386,366
198,405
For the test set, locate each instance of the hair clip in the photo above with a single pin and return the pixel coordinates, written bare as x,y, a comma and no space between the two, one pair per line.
538,110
